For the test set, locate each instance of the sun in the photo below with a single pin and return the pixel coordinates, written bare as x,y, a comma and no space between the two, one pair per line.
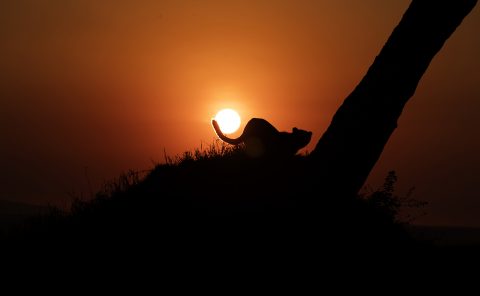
228,120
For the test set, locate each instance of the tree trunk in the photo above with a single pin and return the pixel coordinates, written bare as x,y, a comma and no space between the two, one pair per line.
353,142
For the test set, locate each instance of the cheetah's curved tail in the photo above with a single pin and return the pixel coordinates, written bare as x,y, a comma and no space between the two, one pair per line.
223,137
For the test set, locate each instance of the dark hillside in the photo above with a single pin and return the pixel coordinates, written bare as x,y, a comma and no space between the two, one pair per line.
220,199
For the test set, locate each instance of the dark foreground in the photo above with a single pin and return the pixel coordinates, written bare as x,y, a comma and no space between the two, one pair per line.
219,203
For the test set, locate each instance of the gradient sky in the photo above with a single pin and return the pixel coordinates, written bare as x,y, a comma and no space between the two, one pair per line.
99,87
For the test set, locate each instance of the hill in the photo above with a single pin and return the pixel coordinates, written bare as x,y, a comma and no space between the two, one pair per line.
219,200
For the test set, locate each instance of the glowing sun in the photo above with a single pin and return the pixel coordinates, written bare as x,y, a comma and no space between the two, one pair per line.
228,120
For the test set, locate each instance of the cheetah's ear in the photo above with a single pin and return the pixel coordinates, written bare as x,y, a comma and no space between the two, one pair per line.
294,129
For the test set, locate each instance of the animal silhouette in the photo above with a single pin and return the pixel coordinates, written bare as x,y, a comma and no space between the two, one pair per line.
262,139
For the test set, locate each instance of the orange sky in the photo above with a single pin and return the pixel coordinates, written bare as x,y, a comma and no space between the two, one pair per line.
109,85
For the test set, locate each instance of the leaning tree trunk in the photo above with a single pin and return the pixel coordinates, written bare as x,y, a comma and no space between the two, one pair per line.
353,142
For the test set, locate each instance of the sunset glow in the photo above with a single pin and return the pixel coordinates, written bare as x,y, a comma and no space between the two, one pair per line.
229,120
119,85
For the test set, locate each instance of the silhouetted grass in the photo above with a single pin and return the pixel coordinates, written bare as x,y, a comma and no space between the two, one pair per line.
216,196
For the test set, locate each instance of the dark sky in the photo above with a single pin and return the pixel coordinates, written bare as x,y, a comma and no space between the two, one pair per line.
99,87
